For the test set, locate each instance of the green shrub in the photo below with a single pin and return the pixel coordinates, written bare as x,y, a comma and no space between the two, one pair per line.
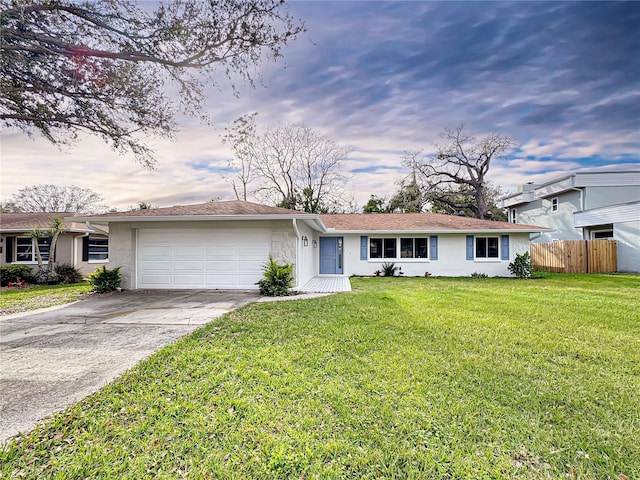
46,277
479,275
103,280
67,273
389,269
277,280
13,273
521,266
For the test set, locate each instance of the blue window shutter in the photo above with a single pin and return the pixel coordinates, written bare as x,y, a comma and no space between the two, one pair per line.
433,246
505,247
364,243
469,247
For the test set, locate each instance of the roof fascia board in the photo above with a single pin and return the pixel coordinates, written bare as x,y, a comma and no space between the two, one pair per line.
191,218
439,231
28,230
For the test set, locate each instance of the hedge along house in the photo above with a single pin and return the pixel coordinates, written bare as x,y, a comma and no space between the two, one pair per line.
83,246
223,245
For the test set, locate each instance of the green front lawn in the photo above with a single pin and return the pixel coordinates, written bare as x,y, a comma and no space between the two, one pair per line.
15,300
405,378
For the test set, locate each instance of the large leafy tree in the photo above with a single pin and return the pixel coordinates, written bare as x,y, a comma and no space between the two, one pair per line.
55,198
456,176
409,198
112,67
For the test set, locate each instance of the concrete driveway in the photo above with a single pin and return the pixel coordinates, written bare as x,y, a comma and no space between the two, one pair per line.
51,359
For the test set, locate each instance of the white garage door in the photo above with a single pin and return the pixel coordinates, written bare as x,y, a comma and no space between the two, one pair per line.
202,258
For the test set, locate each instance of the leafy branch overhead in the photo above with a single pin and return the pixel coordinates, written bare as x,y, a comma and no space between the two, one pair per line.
108,67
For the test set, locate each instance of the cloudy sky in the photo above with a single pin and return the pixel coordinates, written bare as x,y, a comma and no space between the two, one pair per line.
561,79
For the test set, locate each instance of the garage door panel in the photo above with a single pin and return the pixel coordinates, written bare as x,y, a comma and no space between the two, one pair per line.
190,280
249,279
221,254
190,265
221,280
155,251
202,258
149,280
155,265
188,252
221,266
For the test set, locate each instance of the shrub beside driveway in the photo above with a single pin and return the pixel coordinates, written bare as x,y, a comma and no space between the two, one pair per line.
17,300
405,378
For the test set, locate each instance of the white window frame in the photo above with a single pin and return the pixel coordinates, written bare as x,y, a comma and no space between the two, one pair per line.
34,258
399,257
555,206
514,215
476,258
600,230
98,260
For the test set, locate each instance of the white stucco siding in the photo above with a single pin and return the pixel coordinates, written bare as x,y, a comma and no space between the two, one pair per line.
628,236
307,255
451,261
122,250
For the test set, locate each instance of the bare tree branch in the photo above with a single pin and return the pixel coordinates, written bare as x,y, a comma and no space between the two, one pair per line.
455,177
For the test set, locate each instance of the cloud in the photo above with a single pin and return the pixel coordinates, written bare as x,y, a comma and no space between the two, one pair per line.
562,79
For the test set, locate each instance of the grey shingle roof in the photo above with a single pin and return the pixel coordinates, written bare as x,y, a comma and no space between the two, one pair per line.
29,221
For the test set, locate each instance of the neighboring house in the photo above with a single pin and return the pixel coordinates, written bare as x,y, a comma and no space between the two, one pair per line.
584,206
223,245
80,245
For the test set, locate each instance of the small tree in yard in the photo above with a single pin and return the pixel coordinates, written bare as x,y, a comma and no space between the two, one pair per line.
278,279
521,266
46,273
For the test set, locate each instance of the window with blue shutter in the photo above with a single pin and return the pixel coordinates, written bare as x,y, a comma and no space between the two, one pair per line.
364,243
469,247
505,247
433,247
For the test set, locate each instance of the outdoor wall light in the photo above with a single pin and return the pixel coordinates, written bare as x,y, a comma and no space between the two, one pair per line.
315,244
305,241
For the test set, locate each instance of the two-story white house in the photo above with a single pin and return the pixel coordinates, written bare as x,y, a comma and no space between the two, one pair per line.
584,206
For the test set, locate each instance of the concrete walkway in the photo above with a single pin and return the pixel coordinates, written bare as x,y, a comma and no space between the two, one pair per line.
53,358
327,284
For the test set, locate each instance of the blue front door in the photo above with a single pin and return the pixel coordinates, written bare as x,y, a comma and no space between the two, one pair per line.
331,261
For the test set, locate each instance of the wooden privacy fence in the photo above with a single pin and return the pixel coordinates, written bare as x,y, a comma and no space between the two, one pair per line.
576,256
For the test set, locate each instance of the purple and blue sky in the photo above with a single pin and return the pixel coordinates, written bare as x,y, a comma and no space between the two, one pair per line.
562,79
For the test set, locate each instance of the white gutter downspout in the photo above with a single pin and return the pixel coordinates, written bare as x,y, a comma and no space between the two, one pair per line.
298,245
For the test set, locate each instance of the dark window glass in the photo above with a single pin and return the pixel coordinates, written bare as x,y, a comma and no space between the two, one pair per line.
44,244
487,247
24,249
375,248
390,248
98,248
492,247
603,234
406,247
421,248
481,248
